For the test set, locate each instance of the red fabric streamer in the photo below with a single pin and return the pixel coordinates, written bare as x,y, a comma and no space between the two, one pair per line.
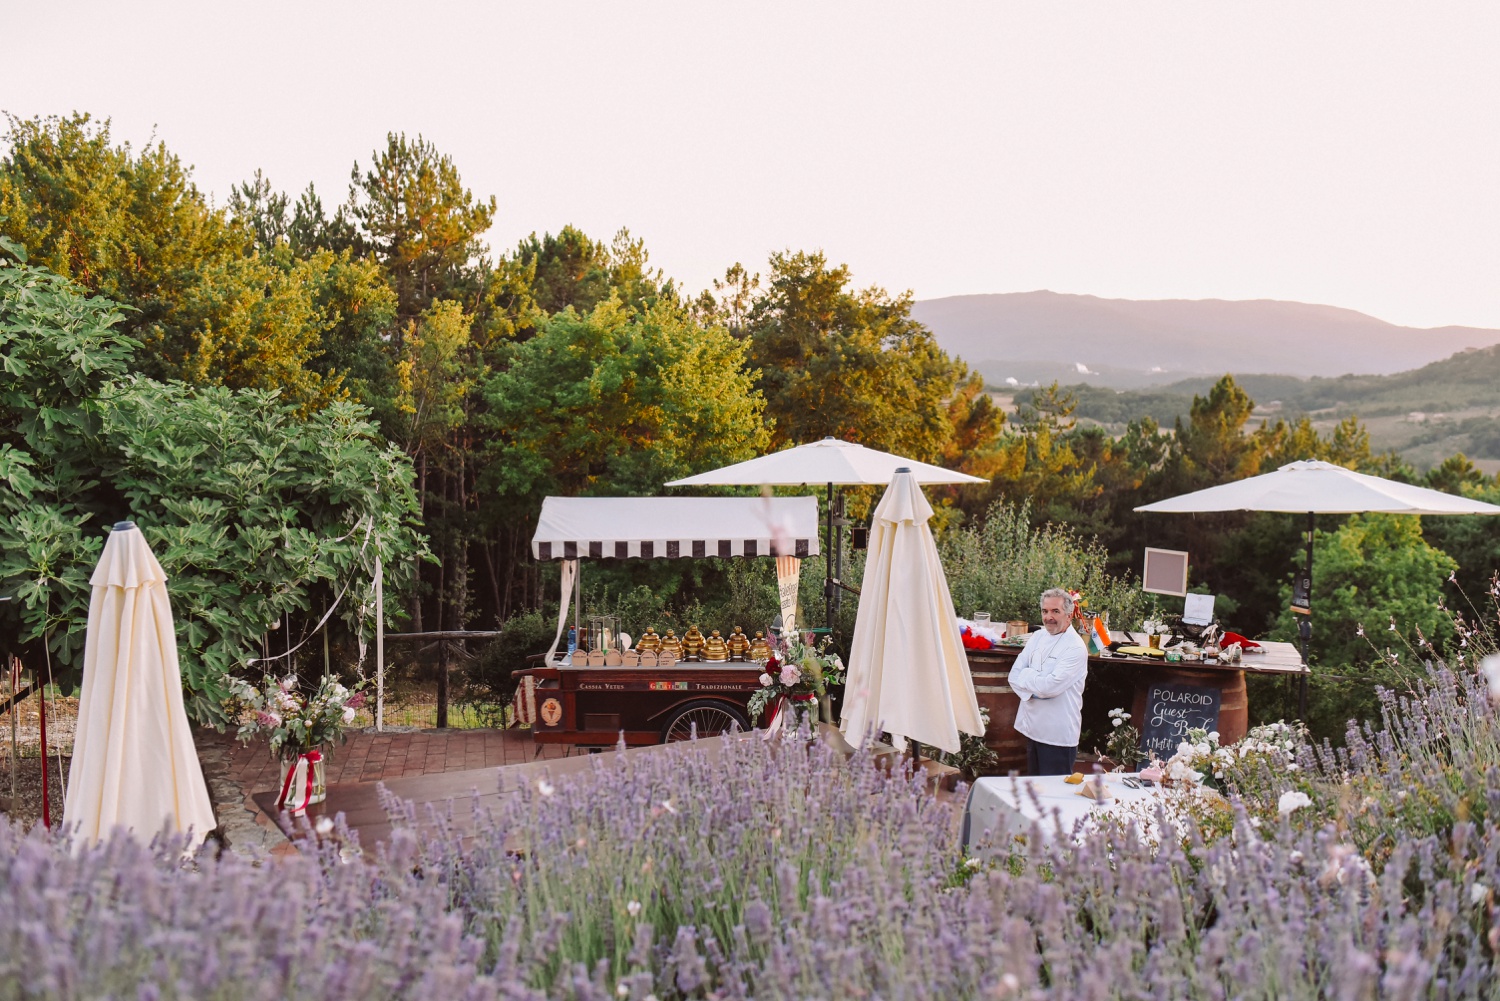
972,641
307,758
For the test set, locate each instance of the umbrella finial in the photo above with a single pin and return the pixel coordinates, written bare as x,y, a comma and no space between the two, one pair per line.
903,469
123,526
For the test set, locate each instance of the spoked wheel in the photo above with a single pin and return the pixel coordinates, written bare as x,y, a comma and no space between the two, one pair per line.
707,717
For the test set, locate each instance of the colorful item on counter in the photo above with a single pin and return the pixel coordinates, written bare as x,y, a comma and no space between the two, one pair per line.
739,644
670,644
1100,638
649,641
980,634
1245,644
973,641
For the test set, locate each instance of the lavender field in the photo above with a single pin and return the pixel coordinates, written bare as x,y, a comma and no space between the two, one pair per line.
769,871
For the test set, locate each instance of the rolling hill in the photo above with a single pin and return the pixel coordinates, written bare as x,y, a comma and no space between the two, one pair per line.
1130,344
1426,414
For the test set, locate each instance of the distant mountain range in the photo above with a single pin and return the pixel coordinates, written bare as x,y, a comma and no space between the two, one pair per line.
1130,344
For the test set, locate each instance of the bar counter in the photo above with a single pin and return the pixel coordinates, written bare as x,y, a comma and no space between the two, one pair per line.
990,670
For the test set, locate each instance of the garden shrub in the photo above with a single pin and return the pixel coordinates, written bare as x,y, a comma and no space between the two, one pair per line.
489,684
1003,566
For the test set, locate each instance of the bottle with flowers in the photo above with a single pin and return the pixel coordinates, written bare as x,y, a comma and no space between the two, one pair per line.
299,727
795,684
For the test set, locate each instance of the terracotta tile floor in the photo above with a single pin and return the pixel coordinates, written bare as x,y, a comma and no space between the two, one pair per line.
368,757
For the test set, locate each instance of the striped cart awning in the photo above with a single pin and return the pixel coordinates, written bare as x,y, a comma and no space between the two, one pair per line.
675,527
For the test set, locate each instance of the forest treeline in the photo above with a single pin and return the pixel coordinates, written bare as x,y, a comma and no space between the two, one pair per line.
569,364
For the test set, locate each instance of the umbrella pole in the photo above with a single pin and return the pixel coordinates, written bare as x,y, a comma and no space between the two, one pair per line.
1304,627
379,645
828,566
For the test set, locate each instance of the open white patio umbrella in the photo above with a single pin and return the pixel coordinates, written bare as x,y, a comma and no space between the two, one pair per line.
830,461
1315,488
908,673
134,763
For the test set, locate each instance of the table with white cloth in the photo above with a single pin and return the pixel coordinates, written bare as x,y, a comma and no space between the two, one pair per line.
1001,808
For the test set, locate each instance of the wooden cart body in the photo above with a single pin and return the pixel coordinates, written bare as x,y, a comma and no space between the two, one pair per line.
596,706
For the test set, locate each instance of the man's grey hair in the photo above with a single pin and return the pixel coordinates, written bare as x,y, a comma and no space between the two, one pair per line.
1057,592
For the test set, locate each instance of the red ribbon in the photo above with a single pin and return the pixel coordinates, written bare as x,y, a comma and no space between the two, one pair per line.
781,700
311,758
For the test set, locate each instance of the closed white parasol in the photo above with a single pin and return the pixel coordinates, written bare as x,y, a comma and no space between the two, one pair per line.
908,673
134,763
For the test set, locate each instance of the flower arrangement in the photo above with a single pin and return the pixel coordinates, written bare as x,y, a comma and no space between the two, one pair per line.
1269,747
296,722
799,672
1124,745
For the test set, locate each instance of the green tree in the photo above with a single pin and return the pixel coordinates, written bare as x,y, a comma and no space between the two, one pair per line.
850,365
1213,446
254,511
1373,569
259,516
415,216
60,348
133,227
617,402
1377,592
275,220
1473,541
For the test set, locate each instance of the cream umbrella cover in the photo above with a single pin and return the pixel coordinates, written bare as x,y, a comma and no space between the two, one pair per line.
908,673
134,763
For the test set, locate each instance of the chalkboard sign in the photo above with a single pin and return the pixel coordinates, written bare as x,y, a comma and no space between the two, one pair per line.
1173,710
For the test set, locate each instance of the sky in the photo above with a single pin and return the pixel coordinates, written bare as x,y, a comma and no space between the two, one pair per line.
1339,153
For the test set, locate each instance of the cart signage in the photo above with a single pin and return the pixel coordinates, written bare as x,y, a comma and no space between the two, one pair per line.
667,686
551,712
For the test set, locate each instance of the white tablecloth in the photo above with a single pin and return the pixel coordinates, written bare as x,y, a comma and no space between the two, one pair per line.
1000,808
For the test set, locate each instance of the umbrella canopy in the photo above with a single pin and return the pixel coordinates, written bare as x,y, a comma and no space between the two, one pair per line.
908,673
1320,488
841,463
134,763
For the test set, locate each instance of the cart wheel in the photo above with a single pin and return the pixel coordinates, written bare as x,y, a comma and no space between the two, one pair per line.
708,717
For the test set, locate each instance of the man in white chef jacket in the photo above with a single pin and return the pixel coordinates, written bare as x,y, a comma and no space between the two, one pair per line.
1049,676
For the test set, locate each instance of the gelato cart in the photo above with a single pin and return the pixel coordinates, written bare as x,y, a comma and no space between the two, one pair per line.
627,678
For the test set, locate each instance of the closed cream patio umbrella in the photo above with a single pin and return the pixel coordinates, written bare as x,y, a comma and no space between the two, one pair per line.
134,763
908,673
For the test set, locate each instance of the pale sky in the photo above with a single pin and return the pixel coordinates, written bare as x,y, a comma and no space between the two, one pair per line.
1342,153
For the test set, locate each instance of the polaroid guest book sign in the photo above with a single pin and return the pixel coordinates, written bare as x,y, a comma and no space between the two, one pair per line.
1173,710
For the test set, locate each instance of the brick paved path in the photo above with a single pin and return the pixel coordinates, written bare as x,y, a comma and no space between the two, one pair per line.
247,769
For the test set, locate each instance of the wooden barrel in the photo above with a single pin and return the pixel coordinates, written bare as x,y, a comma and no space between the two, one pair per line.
1234,701
991,674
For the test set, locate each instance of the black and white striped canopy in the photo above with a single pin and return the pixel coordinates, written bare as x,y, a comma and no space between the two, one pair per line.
675,527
